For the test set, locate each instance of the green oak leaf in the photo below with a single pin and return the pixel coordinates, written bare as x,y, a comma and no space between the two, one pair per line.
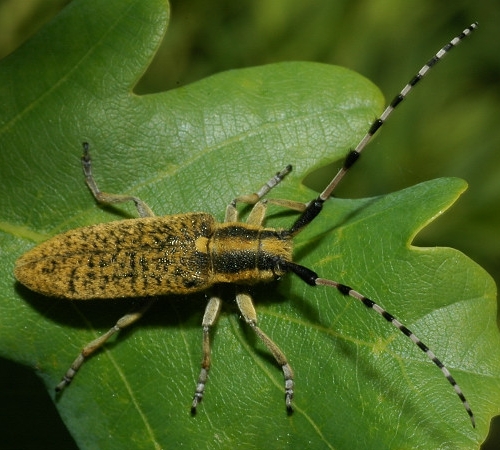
360,384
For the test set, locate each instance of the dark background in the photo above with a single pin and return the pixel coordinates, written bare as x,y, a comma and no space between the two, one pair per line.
448,127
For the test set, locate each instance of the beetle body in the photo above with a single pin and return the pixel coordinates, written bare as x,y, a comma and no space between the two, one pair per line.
149,256
187,253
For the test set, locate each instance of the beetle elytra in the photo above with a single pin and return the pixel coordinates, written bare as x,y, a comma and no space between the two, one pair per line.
181,254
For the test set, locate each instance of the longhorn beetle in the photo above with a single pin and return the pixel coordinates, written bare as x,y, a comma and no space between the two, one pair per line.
187,253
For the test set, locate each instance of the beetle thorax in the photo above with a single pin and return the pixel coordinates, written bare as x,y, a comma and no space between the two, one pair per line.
248,254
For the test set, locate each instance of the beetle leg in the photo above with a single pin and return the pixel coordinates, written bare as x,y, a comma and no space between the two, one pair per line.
253,198
105,198
231,213
247,310
91,347
209,318
258,211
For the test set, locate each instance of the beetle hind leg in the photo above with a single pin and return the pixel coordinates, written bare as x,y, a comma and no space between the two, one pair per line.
91,347
105,198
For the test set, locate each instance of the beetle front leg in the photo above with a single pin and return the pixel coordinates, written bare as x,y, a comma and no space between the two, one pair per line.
247,310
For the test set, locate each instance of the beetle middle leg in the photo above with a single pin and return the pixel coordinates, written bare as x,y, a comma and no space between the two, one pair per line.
257,214
211,313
